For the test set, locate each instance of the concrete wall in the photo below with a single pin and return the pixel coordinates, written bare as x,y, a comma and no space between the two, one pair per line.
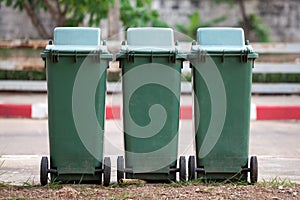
17,25
281,16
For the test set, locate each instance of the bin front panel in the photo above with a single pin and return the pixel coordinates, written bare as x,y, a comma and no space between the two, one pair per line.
151,143
230,152
68,153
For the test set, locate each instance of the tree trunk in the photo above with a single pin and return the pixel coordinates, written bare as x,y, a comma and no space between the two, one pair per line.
113,20
35,20
245,18
55,10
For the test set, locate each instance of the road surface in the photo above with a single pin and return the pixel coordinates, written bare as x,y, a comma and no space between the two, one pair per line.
24,141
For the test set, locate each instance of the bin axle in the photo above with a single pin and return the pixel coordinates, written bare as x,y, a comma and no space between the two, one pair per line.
98,171
52,171
246,170
199,169
174,169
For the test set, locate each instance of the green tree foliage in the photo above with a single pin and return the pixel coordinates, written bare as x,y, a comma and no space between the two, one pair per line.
253,25
232,2
195,23
68,12
74,12
259,29
62,12
139,14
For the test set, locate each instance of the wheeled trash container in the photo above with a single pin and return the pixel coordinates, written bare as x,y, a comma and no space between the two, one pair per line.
151,72
222,63
76,80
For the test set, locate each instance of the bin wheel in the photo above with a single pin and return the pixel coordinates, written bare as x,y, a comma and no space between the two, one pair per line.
44,171
253,169
191,168
120,168
106,171
182,168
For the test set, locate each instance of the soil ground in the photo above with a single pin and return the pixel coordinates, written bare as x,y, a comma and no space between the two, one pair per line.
153,191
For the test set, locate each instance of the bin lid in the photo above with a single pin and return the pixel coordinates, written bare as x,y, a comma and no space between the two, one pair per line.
81,39
221,39
149,39
221,36
77,36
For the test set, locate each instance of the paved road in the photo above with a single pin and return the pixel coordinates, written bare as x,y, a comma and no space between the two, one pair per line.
24,141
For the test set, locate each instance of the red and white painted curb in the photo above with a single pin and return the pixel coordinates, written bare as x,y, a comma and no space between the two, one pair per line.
36,111
258,112
40,111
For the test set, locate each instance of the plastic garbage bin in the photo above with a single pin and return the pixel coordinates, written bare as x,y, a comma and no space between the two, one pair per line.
151,73
76,79
222,63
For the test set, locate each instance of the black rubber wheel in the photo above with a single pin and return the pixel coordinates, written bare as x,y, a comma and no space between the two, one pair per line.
44,171
120,168
182,168
253,169
106,171
191,168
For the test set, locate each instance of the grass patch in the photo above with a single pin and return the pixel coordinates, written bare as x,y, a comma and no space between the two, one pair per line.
54,185
186,77
261,78
22,75
1,164
39,75
123,195
19,52
276,78
17,198
4,185
277,181
28,183
125,185
207,182
113,76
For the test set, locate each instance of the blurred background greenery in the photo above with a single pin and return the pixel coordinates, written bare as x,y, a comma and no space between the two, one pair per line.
118,15
132,13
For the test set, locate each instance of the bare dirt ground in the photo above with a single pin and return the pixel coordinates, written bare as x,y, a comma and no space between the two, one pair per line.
153,191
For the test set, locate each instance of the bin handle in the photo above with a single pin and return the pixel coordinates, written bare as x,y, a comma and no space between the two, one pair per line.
244,55
130,56
54,56
223,56
202,55
151,56
75,57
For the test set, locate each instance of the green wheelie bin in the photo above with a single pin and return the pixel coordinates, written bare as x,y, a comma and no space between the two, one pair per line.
222,63
76,80
151,74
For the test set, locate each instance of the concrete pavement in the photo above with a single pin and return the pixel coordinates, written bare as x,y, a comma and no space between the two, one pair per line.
24,141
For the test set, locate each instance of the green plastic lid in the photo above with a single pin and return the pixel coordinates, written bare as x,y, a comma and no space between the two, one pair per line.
150,36
221,36
77,36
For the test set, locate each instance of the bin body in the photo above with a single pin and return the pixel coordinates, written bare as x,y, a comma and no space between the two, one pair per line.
224,154
151,89
76,152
